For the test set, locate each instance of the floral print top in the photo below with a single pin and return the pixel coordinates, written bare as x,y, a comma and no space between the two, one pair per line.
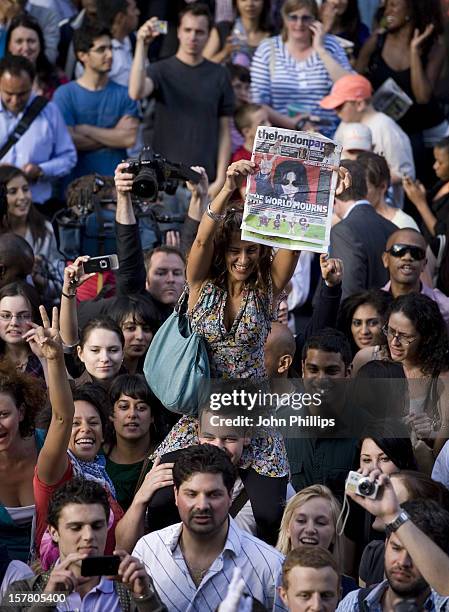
266,453
239,352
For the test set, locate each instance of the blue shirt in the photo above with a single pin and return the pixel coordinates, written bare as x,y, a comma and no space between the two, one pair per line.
373,601
163,559
103,109
47,143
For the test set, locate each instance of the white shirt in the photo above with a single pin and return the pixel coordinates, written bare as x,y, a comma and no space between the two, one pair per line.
440,471
260,565
17,570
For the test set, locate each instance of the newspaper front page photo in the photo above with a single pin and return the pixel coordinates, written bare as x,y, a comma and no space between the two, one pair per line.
289,200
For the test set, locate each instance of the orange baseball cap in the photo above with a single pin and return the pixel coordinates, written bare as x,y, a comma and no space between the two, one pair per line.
348,88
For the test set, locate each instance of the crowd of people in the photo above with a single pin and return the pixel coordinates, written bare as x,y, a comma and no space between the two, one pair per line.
126,134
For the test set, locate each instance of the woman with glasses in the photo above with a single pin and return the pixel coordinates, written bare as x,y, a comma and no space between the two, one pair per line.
18,310
298,68
19,215
417,338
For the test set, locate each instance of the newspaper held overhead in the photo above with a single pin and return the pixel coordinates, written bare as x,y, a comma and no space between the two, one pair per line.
289,200
391,100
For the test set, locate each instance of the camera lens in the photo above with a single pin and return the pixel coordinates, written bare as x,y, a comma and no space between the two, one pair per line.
145,184
366,487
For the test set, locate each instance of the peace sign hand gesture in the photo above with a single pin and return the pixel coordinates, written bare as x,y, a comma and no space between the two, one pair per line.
45,340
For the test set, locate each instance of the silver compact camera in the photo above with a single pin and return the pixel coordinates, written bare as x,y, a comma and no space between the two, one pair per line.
361,485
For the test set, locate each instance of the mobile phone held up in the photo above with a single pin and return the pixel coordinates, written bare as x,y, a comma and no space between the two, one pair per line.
100,566
101,264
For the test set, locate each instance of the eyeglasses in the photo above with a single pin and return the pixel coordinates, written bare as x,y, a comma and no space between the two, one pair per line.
302,18
21,318
415,252
101,50
393,334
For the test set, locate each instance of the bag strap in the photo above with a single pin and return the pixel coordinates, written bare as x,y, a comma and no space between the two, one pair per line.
272,65
143,473
36,106
361,596
238,503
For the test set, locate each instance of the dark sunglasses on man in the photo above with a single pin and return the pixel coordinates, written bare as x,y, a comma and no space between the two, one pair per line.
415,252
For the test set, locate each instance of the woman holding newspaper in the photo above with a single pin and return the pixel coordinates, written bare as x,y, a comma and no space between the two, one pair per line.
234,289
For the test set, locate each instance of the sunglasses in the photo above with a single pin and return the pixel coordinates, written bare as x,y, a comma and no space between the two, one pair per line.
399,250
302,18
294,183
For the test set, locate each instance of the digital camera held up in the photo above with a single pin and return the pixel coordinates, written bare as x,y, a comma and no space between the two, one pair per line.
361,485
153,173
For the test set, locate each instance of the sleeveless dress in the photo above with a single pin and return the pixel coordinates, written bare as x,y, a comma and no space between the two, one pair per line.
234,354
15,535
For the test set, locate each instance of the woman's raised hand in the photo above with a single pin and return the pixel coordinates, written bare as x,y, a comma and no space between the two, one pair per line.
344,180
419,37
317,35
74,275
236,173
45,341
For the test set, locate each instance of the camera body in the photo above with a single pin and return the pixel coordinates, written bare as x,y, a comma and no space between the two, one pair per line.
361,485
153,173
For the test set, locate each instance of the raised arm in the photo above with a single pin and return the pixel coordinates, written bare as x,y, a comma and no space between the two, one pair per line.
428,558
201,253
197,207
140,85
416,193
131,275
132,526
52,461
74,277
423,78
337,67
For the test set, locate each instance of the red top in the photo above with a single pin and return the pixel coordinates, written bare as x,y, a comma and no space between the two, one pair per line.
42,495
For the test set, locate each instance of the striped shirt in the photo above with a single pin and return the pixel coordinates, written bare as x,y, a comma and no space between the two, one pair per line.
278,79
260,565
373,601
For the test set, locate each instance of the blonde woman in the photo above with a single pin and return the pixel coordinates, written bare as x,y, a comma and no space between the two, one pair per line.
310,519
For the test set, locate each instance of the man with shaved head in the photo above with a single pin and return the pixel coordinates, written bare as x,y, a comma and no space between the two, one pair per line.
405,260
279,350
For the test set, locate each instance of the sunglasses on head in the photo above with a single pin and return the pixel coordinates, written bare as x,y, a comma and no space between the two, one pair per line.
415,252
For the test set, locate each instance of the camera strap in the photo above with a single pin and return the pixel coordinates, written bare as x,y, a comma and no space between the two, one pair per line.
34,109
343,517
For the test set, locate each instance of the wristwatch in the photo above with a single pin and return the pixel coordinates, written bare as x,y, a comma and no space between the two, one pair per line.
398,521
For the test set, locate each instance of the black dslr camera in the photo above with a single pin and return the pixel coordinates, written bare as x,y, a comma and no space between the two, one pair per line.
153,173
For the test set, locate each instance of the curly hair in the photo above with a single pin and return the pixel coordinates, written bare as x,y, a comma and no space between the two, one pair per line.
204,459
230,225
25,390
424,314
380,300
76,491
